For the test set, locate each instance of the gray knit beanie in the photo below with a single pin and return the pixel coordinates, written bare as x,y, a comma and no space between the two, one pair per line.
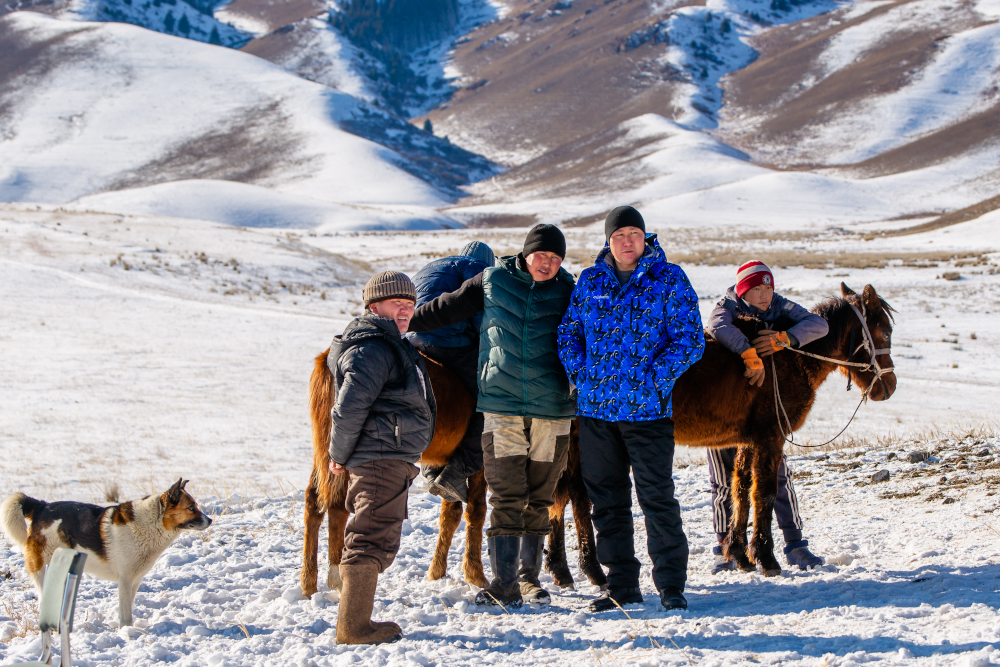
481,251
389,285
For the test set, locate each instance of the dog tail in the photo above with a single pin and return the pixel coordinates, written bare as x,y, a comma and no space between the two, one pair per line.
13,511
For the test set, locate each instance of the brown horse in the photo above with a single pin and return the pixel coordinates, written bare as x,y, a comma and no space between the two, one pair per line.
327,492
715,407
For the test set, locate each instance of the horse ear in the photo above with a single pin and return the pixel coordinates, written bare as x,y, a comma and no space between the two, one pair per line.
846,291
869,298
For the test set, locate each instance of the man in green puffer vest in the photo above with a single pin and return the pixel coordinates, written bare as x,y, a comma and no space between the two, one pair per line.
524,397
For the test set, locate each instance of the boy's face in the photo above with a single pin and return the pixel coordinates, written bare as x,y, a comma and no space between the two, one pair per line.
398,310
760,296
543,265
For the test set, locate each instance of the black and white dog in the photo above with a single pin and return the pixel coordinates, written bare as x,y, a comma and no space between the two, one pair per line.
122,541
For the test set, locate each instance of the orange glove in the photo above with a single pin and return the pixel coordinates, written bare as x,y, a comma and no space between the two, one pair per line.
768,343
755,367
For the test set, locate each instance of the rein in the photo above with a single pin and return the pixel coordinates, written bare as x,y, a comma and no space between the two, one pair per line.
868,343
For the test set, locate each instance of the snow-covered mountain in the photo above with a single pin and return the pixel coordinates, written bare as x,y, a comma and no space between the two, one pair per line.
144,117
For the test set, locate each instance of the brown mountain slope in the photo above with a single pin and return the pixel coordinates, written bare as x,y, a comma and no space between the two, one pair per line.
777,101
553,72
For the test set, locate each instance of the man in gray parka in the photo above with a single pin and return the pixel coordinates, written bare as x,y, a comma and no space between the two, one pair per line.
383,420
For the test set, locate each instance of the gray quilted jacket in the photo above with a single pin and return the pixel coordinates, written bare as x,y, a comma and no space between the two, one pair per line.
385,406
809,326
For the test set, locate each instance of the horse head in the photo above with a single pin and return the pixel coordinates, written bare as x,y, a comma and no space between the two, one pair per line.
877,314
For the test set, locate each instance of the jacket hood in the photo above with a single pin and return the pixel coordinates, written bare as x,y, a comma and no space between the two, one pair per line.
370,325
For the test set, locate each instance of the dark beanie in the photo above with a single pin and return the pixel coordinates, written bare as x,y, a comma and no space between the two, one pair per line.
623,216
545,238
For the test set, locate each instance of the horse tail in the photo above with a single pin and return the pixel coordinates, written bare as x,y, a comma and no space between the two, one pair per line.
322,390
13,511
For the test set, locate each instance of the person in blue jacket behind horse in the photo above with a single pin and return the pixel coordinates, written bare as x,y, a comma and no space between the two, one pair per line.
631,329
456,347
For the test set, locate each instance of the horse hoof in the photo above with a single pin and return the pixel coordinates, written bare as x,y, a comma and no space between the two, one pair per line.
773,572
747,567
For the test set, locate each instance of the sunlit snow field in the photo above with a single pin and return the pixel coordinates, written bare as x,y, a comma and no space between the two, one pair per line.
138,350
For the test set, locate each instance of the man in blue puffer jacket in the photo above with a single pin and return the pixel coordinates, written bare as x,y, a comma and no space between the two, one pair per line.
632,328
456,347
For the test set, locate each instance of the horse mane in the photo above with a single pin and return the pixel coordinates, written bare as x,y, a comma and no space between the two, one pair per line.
834,310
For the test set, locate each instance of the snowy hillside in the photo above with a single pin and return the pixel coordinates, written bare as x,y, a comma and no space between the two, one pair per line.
140,349
112,108
172,17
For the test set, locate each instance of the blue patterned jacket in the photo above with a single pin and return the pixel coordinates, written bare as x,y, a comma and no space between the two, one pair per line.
625,345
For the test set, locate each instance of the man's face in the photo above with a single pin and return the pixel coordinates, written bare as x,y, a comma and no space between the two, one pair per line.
760,296
398,310
543,265
627,245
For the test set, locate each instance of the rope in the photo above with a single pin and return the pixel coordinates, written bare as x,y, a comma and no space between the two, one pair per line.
778,404
868,342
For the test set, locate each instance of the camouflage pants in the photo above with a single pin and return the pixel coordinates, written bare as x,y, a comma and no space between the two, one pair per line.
523,458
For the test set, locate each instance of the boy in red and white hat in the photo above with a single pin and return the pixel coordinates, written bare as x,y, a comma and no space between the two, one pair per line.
753,294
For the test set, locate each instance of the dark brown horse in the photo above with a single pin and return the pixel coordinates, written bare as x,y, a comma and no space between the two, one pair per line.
714,406
327,492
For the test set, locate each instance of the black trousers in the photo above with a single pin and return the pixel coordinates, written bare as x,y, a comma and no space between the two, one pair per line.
721,463
464,362
607,451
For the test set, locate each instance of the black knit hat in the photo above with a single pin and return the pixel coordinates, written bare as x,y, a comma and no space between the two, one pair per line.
623,216
545,238
389,285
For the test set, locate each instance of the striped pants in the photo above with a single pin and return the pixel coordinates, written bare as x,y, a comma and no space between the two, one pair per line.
786,505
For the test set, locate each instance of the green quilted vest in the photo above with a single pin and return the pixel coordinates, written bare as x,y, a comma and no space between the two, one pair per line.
519,369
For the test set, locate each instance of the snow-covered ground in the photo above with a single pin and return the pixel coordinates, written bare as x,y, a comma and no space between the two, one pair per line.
140,349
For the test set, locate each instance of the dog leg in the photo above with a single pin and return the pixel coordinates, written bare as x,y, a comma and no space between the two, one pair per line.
126,593
39,579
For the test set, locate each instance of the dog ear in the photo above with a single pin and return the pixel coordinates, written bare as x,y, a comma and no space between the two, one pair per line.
173,494
184,482
846,291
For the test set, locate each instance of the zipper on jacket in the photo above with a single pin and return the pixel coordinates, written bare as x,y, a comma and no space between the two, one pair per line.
399,439
524,346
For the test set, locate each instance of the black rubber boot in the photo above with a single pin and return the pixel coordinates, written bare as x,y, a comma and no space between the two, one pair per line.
531,566
672,598
622,596
504,557
451,485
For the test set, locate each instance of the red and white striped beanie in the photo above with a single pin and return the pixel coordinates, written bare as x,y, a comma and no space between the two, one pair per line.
752,274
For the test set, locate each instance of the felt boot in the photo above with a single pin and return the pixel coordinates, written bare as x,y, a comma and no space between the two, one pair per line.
354,618
504,558
531,566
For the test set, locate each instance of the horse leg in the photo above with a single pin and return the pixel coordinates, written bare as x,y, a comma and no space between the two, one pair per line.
735,546
555,557
475,518
451,516
337,510
589,565
310,546
765,489
337,524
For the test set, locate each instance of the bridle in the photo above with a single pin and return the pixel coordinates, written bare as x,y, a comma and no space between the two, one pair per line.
867,343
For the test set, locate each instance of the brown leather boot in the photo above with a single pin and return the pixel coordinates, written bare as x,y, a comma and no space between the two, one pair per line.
354,618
